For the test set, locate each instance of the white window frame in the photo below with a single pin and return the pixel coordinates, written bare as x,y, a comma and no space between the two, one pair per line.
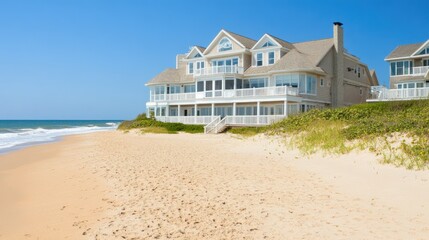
220,48
273,58
257,60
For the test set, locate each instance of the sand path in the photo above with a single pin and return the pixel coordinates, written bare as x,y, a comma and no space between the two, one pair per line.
219,187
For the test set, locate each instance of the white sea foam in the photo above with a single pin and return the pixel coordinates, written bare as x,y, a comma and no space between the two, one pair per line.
29,136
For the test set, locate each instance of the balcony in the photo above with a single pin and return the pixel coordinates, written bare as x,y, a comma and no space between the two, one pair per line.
385,94
219,70
227,94
420,71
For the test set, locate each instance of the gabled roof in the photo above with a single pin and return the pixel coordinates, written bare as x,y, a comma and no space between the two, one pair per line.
198,49
169,76
247,42
302,56
244,42
201,49
275,40
374,78
404,51
315,50
282,42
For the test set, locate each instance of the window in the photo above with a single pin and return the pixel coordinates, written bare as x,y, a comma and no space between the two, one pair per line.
218,85
235,62
239,83
401,68
224,45
189,88
393,69
410,85
197,55
200,65
271,58
322,82
259,59
267,44
311,85
200,86
360,91
229,84
424,51
174,89
426,62
358,71
304,82
159,90
257,82
191,68
209,85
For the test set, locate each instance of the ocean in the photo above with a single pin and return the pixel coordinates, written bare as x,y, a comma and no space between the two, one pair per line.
16,134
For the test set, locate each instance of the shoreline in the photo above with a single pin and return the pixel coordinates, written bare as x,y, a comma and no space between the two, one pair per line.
193,186
37,143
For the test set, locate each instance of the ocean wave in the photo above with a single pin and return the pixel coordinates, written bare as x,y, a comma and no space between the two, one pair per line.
30,136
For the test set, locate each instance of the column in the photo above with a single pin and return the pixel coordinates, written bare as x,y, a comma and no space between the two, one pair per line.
167,110
285,109
234,108
212,110
258,111
178,113
195,113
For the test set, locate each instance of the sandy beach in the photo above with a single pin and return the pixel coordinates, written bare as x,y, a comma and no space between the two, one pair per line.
112,185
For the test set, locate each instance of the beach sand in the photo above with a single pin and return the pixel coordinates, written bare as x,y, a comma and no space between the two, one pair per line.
112,185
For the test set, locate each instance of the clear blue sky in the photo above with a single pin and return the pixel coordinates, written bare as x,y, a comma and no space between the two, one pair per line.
90,59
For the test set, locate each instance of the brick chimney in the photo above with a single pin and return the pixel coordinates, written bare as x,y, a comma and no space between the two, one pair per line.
338,81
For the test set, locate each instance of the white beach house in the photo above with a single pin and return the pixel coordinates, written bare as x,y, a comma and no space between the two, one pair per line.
238,81
409,74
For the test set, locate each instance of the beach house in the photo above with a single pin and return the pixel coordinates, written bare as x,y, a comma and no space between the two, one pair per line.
238,81
409,74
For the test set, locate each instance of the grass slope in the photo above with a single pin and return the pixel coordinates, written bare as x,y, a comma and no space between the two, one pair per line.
399,131
150,125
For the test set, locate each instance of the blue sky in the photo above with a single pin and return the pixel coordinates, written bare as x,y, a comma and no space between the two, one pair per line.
90,59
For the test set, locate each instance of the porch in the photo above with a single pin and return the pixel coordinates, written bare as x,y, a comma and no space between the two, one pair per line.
384,94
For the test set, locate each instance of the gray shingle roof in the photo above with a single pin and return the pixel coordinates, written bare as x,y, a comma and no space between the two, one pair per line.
315,50
170,76
201,49
282,42
404,50
247,42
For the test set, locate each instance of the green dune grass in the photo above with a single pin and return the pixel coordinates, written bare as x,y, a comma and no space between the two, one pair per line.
398,131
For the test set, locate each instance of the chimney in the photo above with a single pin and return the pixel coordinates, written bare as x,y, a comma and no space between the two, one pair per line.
338,81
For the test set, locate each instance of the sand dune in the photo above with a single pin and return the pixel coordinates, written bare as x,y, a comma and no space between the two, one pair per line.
130,186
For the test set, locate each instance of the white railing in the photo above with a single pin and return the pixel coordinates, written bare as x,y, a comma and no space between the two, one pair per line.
220,126
172,97
420,70
252,120
238,93
400,94
186,119
211,126
219,70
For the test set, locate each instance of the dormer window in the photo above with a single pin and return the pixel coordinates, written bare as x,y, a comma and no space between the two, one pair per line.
424,51
267,44
271,58
225,45
259,59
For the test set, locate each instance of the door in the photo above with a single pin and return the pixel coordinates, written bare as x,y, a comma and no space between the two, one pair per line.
185,112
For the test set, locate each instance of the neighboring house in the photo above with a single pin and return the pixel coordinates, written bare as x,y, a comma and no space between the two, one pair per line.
409,74
236,80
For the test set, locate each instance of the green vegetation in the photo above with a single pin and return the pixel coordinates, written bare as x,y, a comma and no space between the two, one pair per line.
150,125
247,131
399,131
